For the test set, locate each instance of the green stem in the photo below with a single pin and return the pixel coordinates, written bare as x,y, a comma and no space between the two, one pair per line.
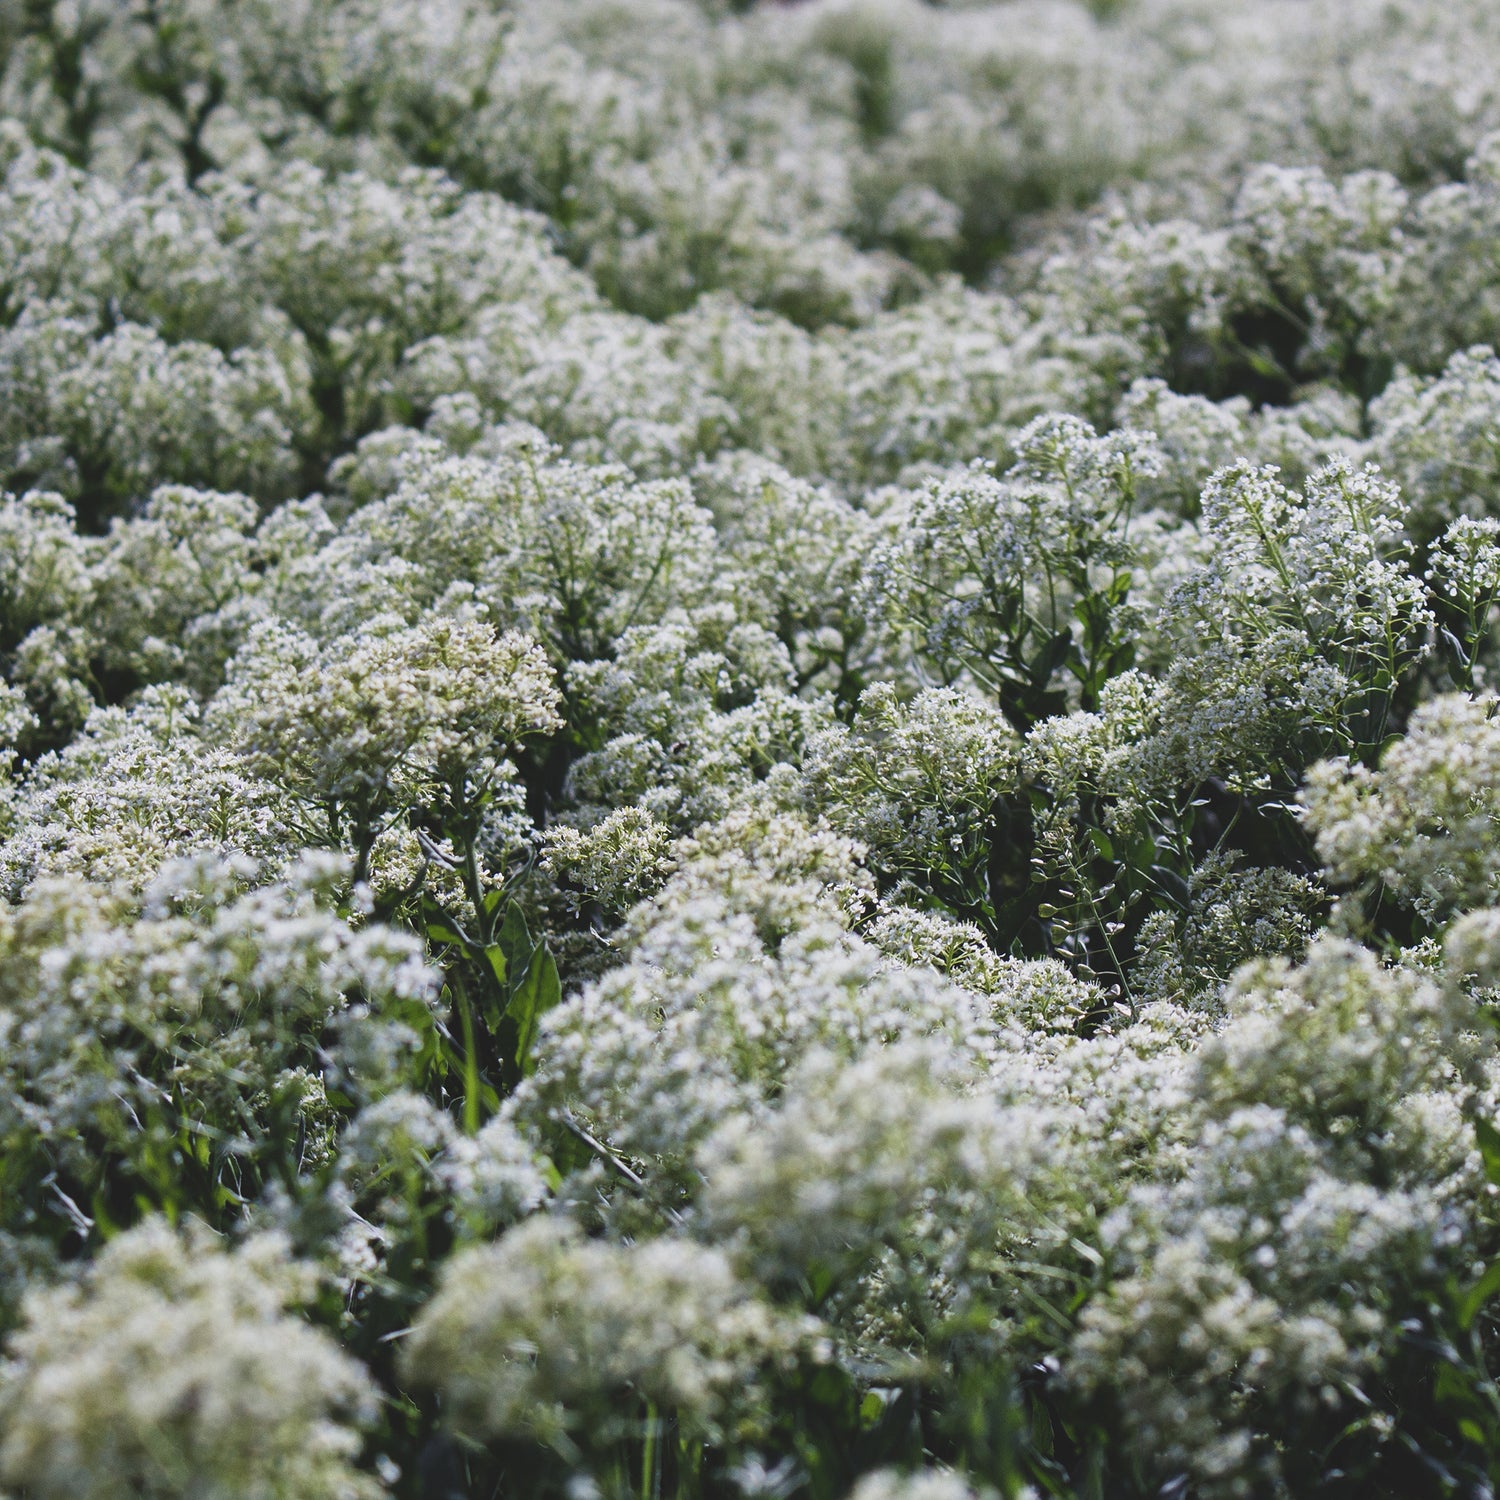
651,1456
471,1061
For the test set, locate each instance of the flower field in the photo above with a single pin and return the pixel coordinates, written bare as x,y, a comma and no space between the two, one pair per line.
749,751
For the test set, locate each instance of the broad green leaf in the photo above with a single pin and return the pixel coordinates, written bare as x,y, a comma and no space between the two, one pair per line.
514,941
532,998
1489,1148
1480,1293
498,966
438,926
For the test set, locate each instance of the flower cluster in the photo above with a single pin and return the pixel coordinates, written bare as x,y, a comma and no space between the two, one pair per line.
547,1335
178,1369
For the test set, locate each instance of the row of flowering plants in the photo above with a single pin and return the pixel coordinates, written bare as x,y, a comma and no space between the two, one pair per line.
749,751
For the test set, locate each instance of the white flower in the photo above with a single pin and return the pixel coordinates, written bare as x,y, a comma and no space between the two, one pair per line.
1423,822
364,726
544,1333
177,1370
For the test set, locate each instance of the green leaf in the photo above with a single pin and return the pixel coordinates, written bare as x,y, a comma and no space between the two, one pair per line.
830,1386
1264,365
514,941
495,997
1172,886
472,1101
496,956
532,998
1489,1148
1042,1437
1050,658
1480,1293
438,926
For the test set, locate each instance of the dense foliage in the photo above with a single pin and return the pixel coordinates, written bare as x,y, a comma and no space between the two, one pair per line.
749,750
